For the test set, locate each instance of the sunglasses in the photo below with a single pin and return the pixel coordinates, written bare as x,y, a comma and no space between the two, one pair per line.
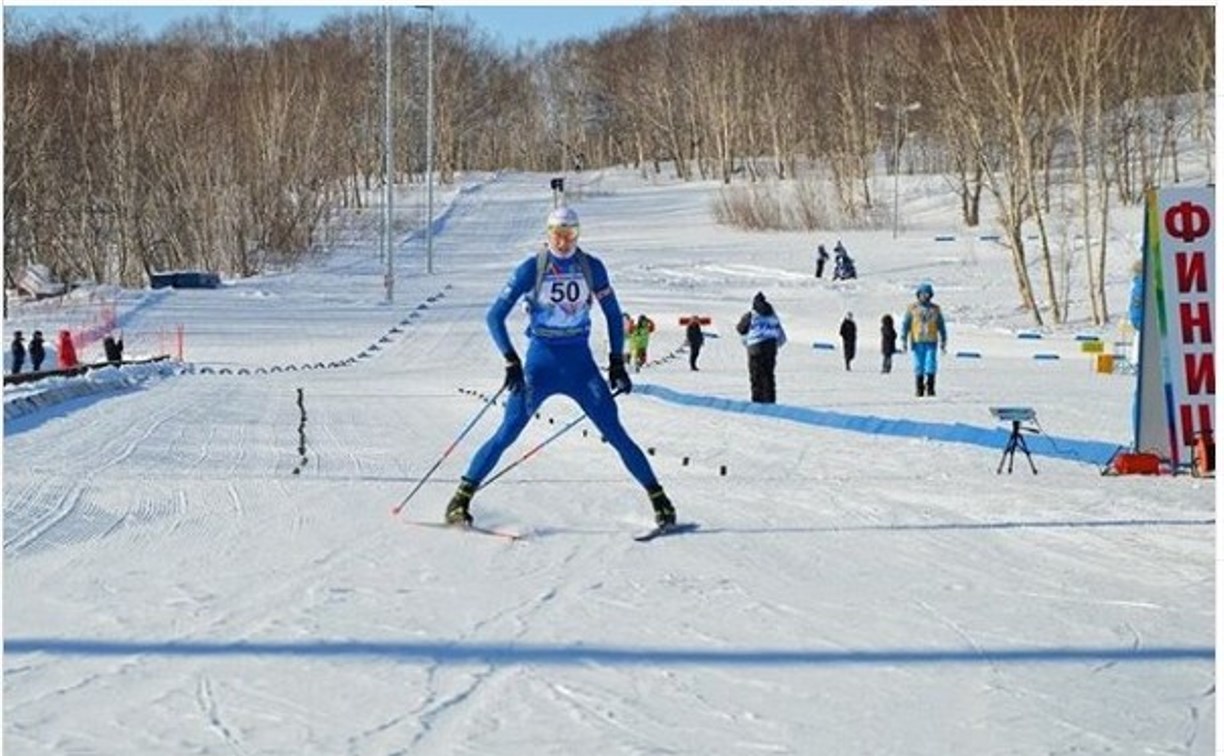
567,232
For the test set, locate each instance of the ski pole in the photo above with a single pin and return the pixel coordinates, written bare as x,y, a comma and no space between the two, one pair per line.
538,447
466,429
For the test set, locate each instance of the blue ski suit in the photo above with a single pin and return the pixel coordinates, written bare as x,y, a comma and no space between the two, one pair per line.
559,359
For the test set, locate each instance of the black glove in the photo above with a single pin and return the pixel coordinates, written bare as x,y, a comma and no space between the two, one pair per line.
514,373
618,378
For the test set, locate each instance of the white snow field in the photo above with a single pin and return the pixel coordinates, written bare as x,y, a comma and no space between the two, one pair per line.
863,580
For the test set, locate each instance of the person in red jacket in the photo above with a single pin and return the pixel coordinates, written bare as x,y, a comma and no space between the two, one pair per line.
67,352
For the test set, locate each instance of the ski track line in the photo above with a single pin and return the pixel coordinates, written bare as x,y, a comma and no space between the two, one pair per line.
129,444
956,628
433,709
209,708
27,536
588,709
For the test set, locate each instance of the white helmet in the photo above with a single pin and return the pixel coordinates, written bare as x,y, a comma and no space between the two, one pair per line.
563,217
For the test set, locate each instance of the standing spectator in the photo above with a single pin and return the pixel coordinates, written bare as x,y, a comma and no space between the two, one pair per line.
639,341
764,336
628,330
559,360
695,339
888,342
923,328
1135,310
849,337
822,257
67,352
113,349
38,352
18,351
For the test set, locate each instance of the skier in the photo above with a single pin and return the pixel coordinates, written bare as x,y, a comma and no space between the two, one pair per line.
695,339
18,351
562,282
888,342
849,337
764,336
923,327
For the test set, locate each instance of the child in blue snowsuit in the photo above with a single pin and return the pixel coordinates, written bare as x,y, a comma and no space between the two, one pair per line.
560,284
923,329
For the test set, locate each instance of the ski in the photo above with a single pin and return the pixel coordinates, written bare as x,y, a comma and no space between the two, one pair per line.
505,535
666,530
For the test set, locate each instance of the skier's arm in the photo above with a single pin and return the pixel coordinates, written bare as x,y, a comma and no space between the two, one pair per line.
906,323
610,306
943,330
521,281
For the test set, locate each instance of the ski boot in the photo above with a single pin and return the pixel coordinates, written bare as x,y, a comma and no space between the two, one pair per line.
457,510
664,512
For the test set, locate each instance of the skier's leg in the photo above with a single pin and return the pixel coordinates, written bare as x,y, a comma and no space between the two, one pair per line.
539,371
918,353
599,404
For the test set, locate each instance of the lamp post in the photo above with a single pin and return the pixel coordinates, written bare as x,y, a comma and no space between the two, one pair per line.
429,138
388,163
899,112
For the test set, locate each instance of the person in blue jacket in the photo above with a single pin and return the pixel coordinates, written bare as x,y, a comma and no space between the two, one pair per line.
1135,310
763,335
560,284
924,331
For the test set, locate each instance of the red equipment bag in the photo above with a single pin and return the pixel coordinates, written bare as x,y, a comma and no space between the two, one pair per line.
1135,463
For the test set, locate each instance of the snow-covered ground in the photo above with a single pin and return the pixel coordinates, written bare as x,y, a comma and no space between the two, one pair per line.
178,580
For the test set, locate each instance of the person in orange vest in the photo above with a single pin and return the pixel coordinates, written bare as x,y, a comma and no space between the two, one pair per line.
67,352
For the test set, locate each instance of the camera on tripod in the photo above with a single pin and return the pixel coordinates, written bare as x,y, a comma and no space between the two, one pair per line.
1016,416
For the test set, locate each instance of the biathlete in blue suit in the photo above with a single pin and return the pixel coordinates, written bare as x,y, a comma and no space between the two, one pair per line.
560,285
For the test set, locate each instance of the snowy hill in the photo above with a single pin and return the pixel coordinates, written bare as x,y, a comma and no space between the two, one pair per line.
863,581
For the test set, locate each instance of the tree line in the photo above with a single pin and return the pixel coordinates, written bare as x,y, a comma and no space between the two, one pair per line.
228,147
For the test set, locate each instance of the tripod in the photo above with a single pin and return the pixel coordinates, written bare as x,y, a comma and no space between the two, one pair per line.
1016,441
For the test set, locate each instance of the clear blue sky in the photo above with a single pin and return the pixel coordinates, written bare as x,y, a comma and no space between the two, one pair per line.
508,25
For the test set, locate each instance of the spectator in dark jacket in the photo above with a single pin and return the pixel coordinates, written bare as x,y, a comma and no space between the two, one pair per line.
849,337
18,351
888,342
822,257
114,349
695,339
764,336
38,351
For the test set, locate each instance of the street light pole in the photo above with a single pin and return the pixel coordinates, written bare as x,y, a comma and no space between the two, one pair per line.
429,139
388,162
899,112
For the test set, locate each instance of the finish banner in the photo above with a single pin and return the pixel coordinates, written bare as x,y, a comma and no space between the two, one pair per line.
1175,399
